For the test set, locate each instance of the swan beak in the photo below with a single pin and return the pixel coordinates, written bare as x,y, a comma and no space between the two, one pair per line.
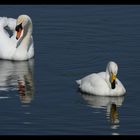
113,78
18,34
18,31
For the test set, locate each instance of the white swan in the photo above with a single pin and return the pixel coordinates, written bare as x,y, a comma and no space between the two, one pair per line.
19,46
103,83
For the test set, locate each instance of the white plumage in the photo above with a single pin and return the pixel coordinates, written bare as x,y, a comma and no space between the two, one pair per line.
19,46
103,83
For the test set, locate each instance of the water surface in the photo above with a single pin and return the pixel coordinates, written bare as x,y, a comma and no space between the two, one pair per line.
40,97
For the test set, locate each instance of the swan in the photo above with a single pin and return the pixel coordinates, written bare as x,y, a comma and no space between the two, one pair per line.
20,45
103,83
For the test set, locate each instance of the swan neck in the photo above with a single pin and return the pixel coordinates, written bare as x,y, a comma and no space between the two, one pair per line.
108,77
27,32
107,71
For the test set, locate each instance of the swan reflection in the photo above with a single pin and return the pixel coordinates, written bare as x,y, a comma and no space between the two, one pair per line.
111,105
17,76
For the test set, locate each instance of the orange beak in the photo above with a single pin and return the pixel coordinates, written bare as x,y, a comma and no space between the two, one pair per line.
18,30
18,33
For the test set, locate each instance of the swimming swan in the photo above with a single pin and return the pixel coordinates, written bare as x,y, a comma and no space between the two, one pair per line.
103,83
19,46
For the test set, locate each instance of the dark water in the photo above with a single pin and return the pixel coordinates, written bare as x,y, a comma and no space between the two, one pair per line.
40,97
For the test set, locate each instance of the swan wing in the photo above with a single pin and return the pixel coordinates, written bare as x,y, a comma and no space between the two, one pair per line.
7,44
3,23
120,88
94,84
11,23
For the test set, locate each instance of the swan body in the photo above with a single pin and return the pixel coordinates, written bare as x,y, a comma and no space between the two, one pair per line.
103,83
20,45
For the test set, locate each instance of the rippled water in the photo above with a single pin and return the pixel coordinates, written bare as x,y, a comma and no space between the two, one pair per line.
40,97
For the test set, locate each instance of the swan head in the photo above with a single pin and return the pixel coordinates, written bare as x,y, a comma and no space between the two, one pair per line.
112,70
23,24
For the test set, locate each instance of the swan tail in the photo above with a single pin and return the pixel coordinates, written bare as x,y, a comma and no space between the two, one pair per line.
78,82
